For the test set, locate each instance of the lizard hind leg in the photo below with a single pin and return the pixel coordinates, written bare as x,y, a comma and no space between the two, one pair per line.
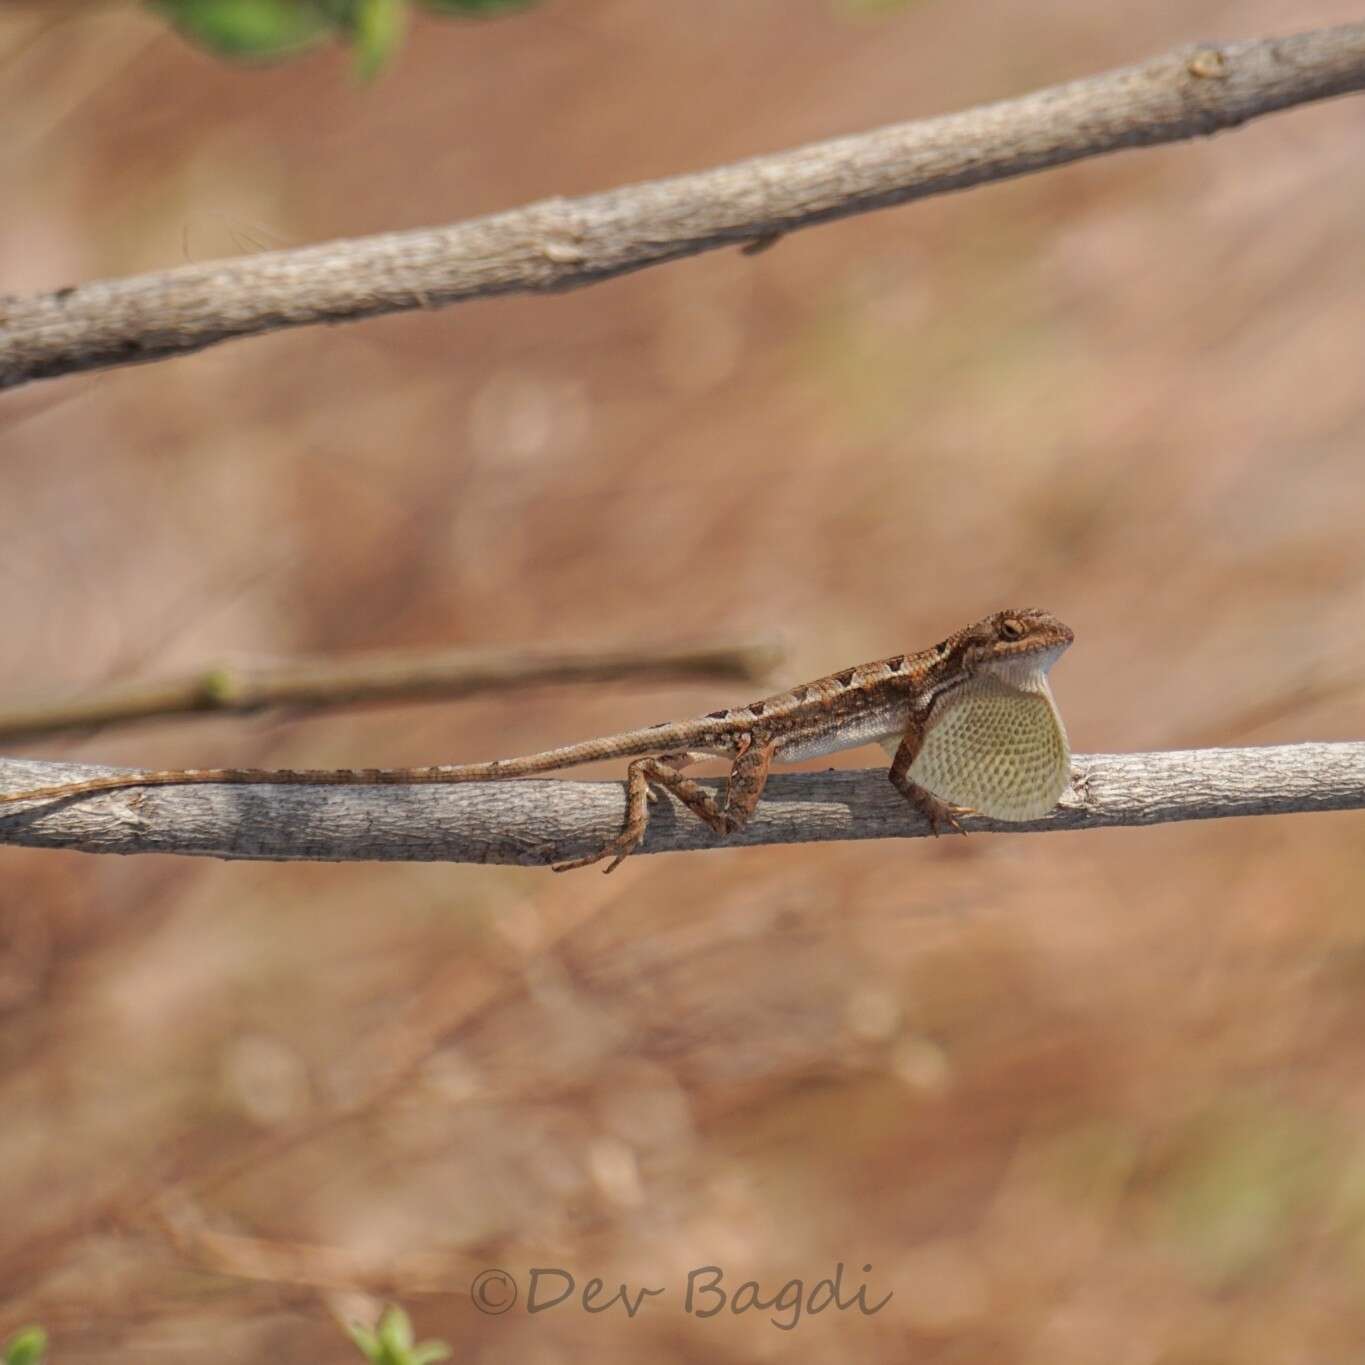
641,778
747,778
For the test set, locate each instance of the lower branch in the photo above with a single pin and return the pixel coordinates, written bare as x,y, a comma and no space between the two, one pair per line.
532,823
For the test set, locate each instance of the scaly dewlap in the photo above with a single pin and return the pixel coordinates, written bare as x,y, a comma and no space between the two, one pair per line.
997,750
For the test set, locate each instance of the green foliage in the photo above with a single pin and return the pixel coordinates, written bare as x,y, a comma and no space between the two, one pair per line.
247,29
1236,1193
475,8
268,30
391,1343
377,25
26,1347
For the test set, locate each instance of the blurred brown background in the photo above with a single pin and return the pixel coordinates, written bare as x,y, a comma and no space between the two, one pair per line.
1072,1098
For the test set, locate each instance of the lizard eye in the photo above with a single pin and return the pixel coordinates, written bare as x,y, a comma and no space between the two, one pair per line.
1011,629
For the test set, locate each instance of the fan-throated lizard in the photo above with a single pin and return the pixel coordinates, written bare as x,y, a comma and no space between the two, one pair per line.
970,725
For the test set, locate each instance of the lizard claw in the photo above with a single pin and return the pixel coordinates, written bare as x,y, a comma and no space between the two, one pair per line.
939,813
618,850
951,814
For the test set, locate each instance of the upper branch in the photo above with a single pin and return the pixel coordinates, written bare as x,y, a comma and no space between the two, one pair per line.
563,243
394,676
535,822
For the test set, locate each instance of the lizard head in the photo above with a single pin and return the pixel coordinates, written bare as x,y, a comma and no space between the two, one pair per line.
1014,642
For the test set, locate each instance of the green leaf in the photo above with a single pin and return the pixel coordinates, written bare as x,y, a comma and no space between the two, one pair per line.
248,29
427,1352
390,1343
26,1347
377,27
367,1341
395,1332
339,13
478,9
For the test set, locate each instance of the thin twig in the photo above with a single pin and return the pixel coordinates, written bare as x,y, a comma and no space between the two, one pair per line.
536,822
397,676
559,244
280,1261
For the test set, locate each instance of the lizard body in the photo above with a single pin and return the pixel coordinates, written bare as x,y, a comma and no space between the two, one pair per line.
970,725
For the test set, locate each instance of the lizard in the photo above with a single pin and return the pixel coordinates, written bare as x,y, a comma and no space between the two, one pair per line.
970,725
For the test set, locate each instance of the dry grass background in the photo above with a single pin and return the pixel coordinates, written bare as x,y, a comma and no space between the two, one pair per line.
1073,1098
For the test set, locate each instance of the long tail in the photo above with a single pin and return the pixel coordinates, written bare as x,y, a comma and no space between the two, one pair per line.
659,739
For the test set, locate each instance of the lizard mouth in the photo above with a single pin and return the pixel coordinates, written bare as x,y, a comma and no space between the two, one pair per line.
1027,661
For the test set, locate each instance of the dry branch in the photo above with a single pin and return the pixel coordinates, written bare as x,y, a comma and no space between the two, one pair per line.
396,676
538,822
560,244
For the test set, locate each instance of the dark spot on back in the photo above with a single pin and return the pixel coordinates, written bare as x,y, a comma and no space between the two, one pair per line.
844,678
757,708
941,649
716,715
896,664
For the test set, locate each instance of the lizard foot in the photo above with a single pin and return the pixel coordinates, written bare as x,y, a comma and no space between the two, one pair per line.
617,849
939,813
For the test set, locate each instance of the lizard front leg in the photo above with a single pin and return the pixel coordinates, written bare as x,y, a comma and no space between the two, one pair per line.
748,774
935,811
